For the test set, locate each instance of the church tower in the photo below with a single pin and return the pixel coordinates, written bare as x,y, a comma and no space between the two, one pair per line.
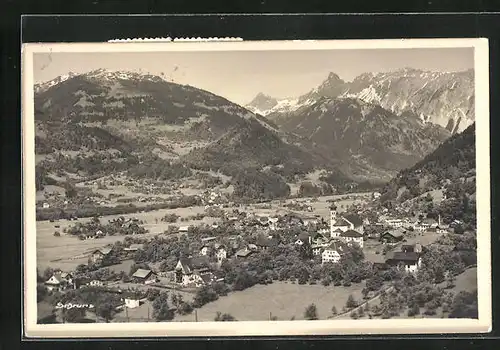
333,217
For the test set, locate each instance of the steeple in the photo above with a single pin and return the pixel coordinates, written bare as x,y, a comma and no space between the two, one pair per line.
333,216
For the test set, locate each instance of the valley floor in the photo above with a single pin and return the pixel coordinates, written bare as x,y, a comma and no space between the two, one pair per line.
66,252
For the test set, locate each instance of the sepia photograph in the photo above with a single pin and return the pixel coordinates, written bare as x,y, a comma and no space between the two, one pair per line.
256,188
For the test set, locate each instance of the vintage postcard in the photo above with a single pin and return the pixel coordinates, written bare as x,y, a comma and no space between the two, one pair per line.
256,188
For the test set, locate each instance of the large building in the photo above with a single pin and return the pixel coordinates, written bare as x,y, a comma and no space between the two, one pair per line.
340,224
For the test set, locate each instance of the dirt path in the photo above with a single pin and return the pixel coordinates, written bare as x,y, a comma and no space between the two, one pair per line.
376,297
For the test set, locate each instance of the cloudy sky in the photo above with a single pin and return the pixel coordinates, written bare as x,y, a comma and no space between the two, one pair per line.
239,76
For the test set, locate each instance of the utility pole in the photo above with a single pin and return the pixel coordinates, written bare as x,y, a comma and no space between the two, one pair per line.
148,313
195,315
126,313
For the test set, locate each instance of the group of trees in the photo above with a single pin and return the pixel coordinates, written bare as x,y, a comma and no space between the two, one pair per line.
260,185
115,227
308,189
90,210
285,262
153,167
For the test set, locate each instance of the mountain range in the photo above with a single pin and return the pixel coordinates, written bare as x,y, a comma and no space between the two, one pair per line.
135,114
443,98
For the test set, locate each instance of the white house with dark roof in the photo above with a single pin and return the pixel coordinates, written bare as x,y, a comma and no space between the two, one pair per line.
60,281
193,271
411,261
333,252
339,224
99,254
352,236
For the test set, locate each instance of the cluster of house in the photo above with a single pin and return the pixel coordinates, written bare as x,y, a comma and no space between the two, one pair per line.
331,243
400,227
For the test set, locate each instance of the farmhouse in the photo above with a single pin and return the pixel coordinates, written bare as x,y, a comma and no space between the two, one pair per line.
310,220
344,223
333,252
183,229
59,281
352,236
132,302
99,254
410,260
144,276
95,283
396,223
133,247
193,271
243,253
392,236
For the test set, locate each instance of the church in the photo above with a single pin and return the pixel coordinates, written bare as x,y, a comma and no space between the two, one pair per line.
344,225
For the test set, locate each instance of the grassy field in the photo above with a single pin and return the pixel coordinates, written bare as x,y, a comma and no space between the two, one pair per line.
284,300
466,281
64,252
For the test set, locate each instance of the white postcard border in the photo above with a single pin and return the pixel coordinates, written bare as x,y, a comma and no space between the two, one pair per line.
261,328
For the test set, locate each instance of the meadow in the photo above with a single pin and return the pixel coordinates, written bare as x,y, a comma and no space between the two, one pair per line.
284,300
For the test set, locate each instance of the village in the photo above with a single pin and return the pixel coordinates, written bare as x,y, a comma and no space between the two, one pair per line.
197,264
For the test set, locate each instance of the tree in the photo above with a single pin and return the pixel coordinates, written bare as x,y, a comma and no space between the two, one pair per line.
204,295
57,234
334,310
74,315
305,251
41,293
464,305
161,309
152,294
70,190
223,317
106,310
185,308
311,312
413,310
351,302
361,312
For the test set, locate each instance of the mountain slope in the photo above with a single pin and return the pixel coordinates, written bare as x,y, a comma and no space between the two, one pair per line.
252,145
446,99
374,141
451,168
153,123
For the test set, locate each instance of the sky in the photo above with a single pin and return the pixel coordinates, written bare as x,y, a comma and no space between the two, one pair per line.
240,76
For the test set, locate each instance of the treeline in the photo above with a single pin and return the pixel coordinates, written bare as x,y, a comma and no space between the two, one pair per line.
90,210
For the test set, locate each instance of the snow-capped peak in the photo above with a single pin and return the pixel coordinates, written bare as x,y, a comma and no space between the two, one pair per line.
48,84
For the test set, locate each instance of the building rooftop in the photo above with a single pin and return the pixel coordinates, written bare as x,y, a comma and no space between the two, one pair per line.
142,273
